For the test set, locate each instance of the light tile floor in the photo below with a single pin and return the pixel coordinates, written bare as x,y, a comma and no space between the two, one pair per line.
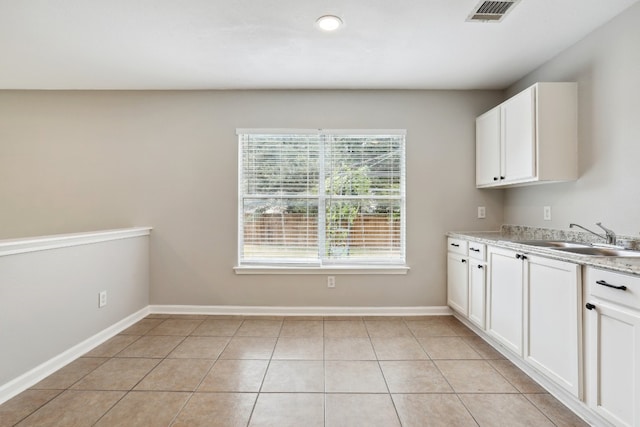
289,371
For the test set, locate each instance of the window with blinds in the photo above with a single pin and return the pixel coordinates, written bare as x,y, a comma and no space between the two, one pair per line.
321,197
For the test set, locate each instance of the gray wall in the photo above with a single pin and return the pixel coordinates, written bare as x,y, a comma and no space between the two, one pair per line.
606,65
78,161
49,298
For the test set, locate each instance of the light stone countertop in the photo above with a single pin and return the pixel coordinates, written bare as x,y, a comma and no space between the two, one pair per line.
510,236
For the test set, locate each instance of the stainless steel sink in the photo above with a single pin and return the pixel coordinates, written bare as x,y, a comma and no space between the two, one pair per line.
581,248
605,252
554,244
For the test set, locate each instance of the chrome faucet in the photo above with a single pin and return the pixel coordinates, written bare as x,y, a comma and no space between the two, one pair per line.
610,235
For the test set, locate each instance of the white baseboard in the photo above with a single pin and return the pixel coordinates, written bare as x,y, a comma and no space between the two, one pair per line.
37,374
299,311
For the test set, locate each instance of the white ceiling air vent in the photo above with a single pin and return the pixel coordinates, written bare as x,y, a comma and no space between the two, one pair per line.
491,11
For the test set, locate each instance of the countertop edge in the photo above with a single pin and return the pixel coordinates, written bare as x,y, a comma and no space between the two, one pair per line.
495,238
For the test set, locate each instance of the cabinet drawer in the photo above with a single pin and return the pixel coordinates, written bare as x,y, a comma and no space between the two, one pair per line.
477,251
457,246
622,289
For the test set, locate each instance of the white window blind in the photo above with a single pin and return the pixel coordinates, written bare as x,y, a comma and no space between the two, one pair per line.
321,197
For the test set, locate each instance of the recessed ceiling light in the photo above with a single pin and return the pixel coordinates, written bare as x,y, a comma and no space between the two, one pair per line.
329,22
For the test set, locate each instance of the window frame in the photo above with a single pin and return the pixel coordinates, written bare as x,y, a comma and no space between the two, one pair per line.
344,266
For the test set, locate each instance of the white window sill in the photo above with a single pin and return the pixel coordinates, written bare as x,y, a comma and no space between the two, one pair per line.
334,269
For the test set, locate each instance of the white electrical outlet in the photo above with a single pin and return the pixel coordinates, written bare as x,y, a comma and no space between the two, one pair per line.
547,213
331,282
102,299
482,213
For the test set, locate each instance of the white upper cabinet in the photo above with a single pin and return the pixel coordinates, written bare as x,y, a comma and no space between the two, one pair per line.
530,138
488,158
519,137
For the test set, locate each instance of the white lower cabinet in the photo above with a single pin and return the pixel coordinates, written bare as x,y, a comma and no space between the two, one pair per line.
458,283
553,312
505,297
477,292
535,306
613,346
466,279
534,310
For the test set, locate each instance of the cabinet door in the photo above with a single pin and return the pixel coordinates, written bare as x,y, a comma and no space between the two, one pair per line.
488,148
613,359
552,321
518,137
505,298
458,283
477,292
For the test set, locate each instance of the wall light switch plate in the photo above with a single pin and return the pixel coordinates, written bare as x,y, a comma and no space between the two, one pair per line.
547,213
482,213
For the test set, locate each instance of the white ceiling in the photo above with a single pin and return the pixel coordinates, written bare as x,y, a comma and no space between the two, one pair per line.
273,44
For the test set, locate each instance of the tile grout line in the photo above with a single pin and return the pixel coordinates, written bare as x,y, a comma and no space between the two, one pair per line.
455,393
467,409
40,406
70,389
127,392
384,378
195,389
264,376
393,402
132,389
539,409
324,378
518,391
